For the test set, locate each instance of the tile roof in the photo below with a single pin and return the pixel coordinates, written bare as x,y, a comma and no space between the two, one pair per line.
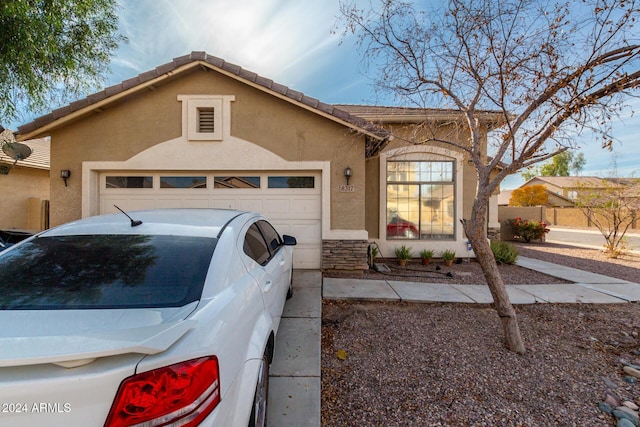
184,62
386,114
40,152
632,192
575,181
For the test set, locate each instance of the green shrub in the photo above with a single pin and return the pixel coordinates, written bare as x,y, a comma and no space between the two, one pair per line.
426,253
448,255
504,252
404,252
528,229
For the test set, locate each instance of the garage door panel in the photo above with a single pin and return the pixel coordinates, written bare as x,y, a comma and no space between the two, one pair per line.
305,257
141,204
296,212
277,207
106,206
281,227
307,232
253,205
164,203
306,208
195,203
126,204
222,203
169,203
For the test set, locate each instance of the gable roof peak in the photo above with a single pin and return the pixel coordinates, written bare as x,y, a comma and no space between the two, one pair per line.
182,63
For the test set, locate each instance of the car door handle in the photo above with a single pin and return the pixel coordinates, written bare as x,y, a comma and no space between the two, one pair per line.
267,285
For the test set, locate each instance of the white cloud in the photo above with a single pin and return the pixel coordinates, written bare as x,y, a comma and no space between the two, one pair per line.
275,38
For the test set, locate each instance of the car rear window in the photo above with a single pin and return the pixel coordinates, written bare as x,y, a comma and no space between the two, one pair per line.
104,271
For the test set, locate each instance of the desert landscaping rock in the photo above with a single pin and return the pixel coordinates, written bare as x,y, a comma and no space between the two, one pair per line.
623,412
446,365
623,422
632,371
630,405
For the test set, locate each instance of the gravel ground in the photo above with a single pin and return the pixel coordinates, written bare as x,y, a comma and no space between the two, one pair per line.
396,364
465,273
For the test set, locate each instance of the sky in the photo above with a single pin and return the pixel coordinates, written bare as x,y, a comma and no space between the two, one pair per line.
295,43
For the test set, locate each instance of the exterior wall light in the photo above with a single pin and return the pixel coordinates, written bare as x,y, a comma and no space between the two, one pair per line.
347,173
65,174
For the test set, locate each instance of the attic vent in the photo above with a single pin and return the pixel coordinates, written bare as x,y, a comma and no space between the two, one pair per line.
204,116
206,120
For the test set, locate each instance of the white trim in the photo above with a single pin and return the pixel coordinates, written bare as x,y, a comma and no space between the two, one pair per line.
493,221
222,110
170,156
344,234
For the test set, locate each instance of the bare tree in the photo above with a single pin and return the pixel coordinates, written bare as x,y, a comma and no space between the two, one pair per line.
551,69
612,211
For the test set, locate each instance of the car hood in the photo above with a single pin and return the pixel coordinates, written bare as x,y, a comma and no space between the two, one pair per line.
71,338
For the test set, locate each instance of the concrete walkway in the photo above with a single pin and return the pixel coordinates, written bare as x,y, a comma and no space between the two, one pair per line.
294,378
294,394
587,288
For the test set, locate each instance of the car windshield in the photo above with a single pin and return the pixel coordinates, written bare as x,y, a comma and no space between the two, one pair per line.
104,271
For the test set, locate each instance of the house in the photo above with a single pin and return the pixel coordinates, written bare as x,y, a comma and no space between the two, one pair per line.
563,191
24,186
201,132
632,195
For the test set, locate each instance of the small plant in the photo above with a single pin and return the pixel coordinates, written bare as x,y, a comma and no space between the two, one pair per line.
448,256
426,255
529,230
504,252
404,254
374,251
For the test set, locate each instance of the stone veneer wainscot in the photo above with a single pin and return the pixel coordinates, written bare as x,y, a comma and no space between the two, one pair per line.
344,255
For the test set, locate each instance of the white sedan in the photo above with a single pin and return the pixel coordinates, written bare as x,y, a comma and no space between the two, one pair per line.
164,317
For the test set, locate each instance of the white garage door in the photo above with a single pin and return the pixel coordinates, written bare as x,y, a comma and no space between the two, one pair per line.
291,201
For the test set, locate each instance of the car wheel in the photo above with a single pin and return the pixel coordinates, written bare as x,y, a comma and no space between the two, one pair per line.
290,290
259,410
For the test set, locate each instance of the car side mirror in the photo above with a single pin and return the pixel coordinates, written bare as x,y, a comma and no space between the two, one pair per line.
289,240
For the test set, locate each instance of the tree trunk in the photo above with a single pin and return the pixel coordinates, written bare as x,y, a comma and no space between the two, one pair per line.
476,229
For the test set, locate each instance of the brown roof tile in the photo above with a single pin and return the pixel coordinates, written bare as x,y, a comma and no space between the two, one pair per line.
40,152
216,63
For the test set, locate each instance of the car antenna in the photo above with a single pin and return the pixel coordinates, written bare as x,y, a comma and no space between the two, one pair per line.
134,223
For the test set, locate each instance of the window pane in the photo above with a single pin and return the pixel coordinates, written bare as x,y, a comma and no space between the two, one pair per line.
403,211
183,182
129,182
255,246
105,271
236,182
291,182
419,171
271,235
437,213
420,205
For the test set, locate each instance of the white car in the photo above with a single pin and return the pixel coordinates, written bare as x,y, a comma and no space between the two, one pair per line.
162,317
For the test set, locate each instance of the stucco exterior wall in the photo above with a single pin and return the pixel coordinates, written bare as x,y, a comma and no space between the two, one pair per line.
151,117
372,197
16,189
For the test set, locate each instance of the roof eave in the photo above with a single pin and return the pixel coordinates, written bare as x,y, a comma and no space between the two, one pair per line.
96,106
179,65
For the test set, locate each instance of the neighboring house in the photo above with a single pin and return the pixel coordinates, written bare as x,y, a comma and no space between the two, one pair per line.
632,195
201,132
24,186
563,191
504,197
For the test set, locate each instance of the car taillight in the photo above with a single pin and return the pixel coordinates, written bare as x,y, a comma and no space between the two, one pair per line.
182,394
